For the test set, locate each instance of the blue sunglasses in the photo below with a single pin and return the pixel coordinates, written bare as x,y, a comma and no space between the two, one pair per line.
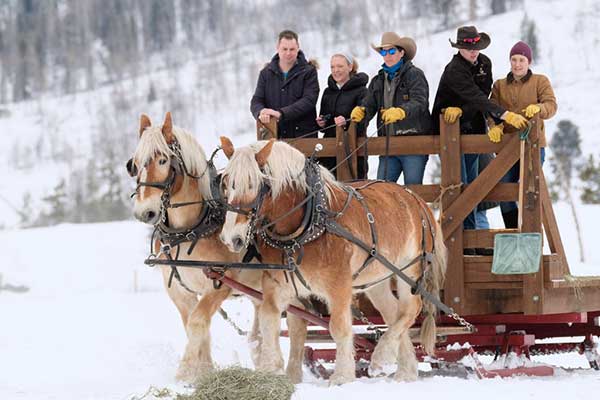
385,52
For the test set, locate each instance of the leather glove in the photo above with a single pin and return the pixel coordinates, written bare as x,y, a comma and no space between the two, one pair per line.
516,120
392,114
451,114
357,114
531,110
495,133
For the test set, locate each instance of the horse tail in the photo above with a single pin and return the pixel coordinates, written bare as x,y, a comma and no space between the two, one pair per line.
434,281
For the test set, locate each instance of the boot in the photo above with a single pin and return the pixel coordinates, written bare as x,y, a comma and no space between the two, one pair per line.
511,219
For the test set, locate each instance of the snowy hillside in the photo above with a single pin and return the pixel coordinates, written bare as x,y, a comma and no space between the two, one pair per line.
53,138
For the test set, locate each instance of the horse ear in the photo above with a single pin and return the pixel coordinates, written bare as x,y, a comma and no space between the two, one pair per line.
262,156
227,146
144,123
167,129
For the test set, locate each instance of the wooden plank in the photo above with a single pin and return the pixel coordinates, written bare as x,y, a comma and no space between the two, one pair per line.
493,301
353,160
569,299
266,131
454,288
420,144
342,172
552,232
479,269
307,146
494,285
530,214
475,192
480,144
482,238
502,192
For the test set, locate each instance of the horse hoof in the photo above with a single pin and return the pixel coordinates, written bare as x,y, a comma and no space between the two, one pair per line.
340,378
189,374
376,371
295,375
405,376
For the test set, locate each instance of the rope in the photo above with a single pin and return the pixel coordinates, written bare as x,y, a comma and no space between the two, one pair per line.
438,201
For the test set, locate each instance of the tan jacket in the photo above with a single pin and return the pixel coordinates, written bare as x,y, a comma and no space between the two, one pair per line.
514,95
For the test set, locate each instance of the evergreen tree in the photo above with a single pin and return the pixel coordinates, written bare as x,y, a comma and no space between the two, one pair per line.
529,35
566,148
57,204
589,174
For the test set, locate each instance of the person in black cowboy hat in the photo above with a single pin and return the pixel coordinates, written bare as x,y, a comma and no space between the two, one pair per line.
463,92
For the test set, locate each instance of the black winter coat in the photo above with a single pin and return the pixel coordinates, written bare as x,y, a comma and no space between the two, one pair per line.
412,95
467,86
295,97
336,101
340,101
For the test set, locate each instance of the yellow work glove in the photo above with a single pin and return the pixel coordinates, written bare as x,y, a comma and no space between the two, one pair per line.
392,114
531,110
495,133
516,120
357,114
451,114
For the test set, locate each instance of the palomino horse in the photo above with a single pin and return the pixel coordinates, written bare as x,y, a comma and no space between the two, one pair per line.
273,179
171,168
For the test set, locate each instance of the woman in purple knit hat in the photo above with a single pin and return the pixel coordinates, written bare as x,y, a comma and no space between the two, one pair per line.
525,93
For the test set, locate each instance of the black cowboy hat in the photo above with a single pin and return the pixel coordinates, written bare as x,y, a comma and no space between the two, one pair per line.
468,38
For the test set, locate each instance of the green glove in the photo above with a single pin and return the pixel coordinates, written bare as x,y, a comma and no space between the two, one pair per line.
495,133
531,110
516,120
357,114
451,114
393,114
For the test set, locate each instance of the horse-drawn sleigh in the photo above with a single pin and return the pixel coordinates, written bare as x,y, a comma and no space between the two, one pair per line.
318,238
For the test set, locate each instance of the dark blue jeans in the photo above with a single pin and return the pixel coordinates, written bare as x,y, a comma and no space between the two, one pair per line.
468,172
512,176
413,167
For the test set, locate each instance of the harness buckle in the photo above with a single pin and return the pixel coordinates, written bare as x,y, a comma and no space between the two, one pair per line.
370,218
191,236
165,248
373,251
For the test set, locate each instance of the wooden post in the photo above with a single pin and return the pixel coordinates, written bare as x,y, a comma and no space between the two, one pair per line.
266,131
530,214
345,144
454,288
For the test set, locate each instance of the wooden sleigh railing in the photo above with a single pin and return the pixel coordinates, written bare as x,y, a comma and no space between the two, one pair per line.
470,286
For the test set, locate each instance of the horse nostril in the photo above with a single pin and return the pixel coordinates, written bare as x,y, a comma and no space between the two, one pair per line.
238,243
149,215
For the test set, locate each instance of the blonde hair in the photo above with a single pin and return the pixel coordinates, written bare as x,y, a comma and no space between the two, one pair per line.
350,60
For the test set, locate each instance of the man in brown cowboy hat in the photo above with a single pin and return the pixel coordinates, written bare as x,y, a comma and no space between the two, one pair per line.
463,92
399,95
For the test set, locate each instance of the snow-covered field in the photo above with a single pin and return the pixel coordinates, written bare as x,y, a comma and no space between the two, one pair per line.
97,324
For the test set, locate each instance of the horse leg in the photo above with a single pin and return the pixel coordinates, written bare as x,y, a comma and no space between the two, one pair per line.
275,300
386,350
197,357
183,300
410,307
340,327
297,329
254,338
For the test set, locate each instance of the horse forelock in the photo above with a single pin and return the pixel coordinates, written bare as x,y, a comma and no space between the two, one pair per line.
152,143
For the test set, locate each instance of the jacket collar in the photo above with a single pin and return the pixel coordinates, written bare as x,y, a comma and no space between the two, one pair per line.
300,63
358,80
405,67
510,77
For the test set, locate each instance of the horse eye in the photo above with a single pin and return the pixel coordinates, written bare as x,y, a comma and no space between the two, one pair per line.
162,161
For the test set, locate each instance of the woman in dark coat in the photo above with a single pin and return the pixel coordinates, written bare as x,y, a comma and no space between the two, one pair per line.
346,89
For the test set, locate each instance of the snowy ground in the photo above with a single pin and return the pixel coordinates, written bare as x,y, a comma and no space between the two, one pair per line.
96,324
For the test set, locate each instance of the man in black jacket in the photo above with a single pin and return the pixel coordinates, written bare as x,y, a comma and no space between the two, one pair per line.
287,89
399,95
463,92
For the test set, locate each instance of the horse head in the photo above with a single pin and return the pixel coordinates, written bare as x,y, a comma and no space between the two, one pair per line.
169,165
263,182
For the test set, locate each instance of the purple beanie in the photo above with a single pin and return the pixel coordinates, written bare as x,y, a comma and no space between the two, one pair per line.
522,49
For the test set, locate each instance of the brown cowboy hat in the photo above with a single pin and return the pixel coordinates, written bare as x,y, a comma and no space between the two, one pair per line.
468,38
392,39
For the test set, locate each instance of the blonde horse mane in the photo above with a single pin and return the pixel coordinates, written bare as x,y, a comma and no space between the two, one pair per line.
152,142
284,169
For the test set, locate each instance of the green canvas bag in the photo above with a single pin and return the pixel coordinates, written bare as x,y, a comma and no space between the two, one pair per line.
517,253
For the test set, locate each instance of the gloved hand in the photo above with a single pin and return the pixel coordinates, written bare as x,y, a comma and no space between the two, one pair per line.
495,133
451,114
392,114
357,114
531,110
516,120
